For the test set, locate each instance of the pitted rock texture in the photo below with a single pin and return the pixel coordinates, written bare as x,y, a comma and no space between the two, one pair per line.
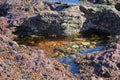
105,64
52,22
104,19
100,19
20,62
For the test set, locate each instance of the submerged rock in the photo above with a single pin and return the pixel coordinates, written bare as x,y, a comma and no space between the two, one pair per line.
96,49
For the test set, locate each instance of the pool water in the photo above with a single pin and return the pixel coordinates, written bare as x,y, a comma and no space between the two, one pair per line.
96,49
62,47
72,66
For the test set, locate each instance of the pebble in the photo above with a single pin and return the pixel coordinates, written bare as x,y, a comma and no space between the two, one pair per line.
85,43
78,39
75,46
100,79
75,50
77,55
92,46
92,78
68,48
94,43
62,55
73,56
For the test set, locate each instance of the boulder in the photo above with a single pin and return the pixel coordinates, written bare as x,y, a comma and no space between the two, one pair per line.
98,19
103,20
65,22
105,64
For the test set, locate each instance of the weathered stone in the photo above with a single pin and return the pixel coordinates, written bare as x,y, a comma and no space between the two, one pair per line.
85,43
104,64
101,20
51,22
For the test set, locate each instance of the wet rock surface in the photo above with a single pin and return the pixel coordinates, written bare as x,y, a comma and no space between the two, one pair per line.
27,63
104,64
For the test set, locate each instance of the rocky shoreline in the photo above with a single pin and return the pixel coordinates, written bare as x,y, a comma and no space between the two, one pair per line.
20,62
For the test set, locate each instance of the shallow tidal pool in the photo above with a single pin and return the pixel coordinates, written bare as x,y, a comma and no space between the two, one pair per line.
67,48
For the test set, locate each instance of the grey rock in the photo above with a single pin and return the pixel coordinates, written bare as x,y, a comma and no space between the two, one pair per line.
104,64
101,19
51,22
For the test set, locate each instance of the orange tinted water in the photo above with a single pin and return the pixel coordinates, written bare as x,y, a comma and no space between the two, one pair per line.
48,44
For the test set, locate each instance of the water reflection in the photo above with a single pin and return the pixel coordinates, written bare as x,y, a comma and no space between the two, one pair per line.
96,49
73,67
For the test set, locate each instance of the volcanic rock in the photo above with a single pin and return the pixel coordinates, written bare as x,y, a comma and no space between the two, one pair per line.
104,64
96,19
101,20
51,22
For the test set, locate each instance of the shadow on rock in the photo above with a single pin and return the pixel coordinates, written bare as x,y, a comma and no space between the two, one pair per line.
3,9
37,26
103,21
48,23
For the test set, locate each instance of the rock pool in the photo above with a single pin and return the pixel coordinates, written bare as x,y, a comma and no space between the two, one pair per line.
67,48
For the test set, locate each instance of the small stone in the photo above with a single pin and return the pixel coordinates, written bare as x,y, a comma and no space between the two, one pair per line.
73,56
91,46
68,48
77,55
94,43
92,78
85,43
56,53
78,39
75,50
62,55
100,79
75,46
54,44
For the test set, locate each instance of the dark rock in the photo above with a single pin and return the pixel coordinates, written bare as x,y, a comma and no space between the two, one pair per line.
52,22
3,12
4,7
117,6
101,20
